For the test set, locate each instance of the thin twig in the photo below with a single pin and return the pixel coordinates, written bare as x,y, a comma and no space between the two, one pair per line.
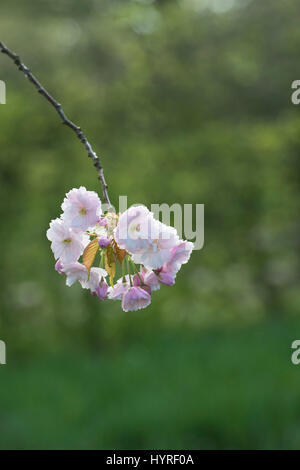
96,161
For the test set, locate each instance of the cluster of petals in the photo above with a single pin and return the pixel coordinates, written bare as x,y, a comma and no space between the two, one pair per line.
69,236
81,209
152,249
148,240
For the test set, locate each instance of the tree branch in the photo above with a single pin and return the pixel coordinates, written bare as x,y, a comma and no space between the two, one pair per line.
91,153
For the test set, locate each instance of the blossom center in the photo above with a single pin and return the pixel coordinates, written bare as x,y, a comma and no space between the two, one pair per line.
135,228
82,211
67,240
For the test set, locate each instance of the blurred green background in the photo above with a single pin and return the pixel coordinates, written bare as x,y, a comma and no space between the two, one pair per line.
186,101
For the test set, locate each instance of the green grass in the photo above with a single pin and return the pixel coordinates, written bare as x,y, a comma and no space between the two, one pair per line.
232,389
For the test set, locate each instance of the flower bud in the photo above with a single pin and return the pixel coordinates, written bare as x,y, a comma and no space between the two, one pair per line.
135,298
101,290
59,267
103,242
167,279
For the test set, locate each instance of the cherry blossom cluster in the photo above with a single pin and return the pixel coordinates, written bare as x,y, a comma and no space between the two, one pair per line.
90,247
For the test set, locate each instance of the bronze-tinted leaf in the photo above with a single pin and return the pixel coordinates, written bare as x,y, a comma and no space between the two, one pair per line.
120,254
89,253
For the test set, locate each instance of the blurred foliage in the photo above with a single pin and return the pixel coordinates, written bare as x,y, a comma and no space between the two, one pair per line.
171,391
186,101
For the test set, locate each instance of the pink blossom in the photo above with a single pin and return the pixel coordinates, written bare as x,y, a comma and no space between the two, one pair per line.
138,281
152,280
148,240
155,279
101,290
118,290
153,245
180,254
81,208
65,244
133,232
135,298
94,278
158,251
166,278
75,272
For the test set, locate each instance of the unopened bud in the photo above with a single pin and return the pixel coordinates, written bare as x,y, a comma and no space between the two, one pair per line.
59,267
103,242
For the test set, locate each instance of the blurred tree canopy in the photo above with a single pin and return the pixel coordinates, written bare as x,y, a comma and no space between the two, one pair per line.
186,101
